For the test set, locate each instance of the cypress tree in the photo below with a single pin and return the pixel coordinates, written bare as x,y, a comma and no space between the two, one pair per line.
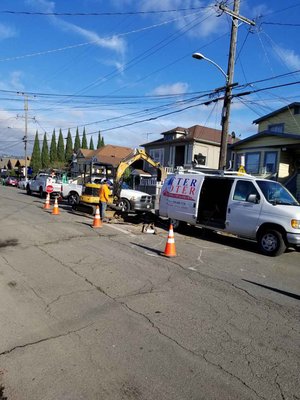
91,144
53,149
69,147
99,141
102,142
77,141
45,153
60,147
84,141
35,162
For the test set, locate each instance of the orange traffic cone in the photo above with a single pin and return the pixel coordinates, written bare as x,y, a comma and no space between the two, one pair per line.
170,250
55,210
47,202
97,223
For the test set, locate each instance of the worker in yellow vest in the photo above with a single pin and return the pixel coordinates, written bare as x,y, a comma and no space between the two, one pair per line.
104,193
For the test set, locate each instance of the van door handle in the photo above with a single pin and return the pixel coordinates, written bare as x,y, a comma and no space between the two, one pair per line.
228,210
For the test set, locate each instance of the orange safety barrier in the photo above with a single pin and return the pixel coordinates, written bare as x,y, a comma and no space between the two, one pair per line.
55,210
97,223
47,202
170,250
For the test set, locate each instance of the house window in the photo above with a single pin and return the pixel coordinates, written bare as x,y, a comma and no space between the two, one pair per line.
252,163
297,110
278,128
270,161
157,155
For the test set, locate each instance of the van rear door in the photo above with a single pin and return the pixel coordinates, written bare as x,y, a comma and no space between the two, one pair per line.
181,194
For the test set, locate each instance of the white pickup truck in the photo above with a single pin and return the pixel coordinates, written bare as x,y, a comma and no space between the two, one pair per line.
39,183
71,192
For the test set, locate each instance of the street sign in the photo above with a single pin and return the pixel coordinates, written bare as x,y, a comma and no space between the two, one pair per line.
49,188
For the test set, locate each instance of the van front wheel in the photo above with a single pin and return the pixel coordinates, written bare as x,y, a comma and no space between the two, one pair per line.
271,243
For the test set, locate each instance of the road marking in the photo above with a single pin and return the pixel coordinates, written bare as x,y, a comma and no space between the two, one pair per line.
121,230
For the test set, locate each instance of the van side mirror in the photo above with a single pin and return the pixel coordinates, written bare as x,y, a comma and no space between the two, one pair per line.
253,198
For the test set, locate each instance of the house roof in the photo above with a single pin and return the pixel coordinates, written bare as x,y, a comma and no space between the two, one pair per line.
265,134
280,110
197,133
108,154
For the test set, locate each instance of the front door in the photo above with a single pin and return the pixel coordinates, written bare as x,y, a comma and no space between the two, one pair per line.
242,215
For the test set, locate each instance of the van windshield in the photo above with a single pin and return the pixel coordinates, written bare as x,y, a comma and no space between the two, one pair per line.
275,193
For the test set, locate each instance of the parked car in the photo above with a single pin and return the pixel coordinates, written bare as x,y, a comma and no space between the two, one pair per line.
11,181
23,183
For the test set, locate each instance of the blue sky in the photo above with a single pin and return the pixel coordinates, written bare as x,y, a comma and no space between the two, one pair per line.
125,67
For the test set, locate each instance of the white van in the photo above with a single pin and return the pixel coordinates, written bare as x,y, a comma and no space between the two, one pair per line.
239,204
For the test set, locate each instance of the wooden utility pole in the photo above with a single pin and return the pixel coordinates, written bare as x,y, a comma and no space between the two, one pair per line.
25,136
230,72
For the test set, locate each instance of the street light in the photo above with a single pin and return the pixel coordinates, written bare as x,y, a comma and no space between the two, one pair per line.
200,56
225,109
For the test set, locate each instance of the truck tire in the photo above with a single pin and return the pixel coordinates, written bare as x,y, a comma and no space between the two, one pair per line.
28,191
271,242
41,192
73,198
124,205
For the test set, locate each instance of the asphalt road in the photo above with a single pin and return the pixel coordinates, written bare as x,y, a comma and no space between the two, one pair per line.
102,314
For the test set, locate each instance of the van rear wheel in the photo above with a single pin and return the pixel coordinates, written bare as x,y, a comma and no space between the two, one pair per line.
178,226
271,243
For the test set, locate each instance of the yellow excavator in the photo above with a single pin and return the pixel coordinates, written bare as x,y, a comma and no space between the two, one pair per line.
90,195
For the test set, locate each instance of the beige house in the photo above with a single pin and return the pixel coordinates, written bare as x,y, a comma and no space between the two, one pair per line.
185,147
9,165
274,152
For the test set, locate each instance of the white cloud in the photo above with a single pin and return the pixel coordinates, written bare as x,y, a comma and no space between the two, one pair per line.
7,32
175,88
288,57
112,42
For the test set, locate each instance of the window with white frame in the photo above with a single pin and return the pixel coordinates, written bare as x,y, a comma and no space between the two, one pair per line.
270,161
252,163
157,155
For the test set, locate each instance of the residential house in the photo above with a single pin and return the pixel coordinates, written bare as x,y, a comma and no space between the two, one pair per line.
274,152
10,165
109,156
185,147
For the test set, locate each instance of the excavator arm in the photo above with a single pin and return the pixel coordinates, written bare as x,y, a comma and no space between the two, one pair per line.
137,154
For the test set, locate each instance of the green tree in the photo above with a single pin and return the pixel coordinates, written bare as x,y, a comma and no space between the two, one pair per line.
45,153
35,162
84,141
53,149
99,141
60,148
77,141
69,147
102,142
92,144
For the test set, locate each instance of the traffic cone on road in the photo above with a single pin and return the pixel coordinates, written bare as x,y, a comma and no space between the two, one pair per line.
55,210
47,202
97,223
170,250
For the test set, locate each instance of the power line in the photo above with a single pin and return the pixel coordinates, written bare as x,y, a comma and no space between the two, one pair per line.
96,14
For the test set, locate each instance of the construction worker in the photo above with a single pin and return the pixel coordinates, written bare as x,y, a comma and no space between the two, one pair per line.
104,193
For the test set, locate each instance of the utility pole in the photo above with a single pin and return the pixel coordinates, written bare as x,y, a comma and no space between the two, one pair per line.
25,137
230,72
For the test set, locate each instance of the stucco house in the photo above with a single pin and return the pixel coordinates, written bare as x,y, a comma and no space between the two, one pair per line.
274,152
185,147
